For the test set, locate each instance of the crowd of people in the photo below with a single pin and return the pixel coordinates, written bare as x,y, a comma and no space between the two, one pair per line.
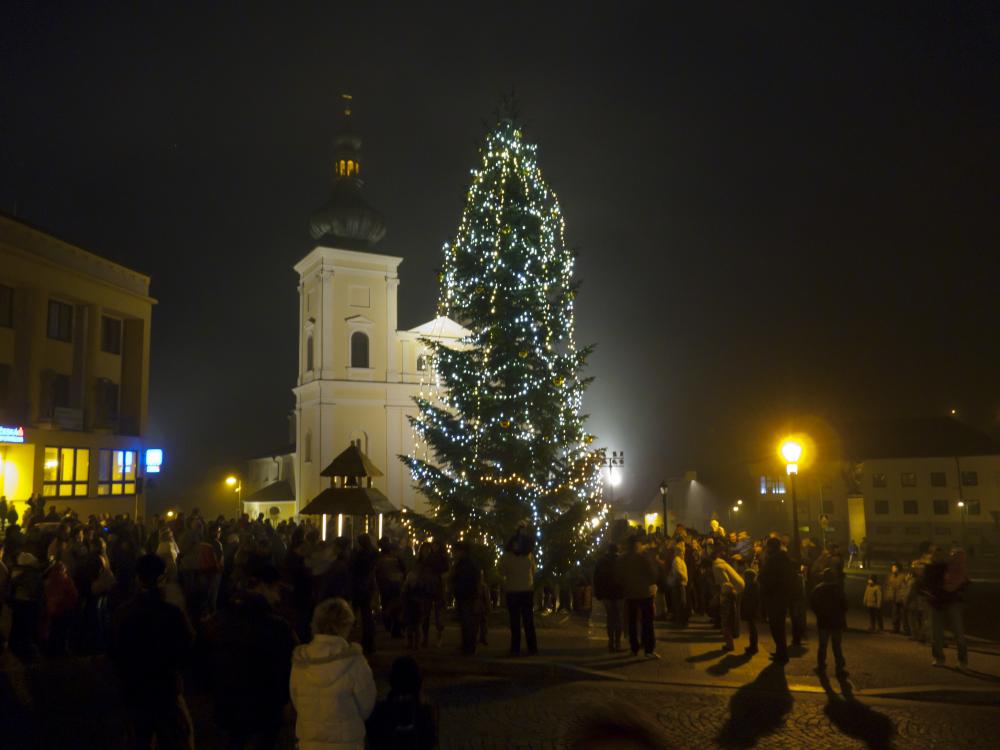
259,616
733,580
264,616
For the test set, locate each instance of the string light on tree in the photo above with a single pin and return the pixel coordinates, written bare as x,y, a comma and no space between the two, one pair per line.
505,432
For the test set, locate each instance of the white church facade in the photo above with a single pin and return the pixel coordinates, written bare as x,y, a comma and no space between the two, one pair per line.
357,372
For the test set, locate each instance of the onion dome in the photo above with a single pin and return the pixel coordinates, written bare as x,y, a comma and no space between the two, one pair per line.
347,219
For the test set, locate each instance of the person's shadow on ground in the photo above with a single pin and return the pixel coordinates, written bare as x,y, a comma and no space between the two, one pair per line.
732,661
854,718
757,709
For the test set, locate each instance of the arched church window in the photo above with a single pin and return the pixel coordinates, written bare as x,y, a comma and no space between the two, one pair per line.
309,353
359,349
350,167
343,167
421,363
308,447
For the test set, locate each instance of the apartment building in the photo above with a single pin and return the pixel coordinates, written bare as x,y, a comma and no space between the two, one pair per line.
74,374
896,483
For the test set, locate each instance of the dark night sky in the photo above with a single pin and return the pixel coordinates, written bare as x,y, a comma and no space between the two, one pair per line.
777,212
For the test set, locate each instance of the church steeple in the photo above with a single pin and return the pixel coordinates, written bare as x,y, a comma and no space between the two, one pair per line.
347,146
347,220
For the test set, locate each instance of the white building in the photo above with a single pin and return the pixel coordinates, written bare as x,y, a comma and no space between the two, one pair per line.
357,373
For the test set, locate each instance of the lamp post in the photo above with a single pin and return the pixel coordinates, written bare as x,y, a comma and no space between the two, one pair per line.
791,451
962,510
234,483
664,489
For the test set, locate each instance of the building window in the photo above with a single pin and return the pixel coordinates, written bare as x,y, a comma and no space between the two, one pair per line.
973,507
65,472
6,306
359,350
910,507
913,530
309,353
970,478
107,403
883,530
4,385
939,479
60,321
940,507
421,363
111,335
54,394
307,449
879,480
908,479
882,507
942,531
828,507
772,486
116,472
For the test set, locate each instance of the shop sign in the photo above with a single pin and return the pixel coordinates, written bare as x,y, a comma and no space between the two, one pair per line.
11,434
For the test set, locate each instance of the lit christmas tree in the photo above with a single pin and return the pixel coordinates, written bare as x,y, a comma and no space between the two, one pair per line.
506,433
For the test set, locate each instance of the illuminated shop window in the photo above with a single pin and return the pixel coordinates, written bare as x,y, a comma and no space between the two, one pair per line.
772,485
65,472
116,472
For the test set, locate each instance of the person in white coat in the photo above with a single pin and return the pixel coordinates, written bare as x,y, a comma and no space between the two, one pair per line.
332,687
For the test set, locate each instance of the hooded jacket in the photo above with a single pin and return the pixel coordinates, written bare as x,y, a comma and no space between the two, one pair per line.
333,692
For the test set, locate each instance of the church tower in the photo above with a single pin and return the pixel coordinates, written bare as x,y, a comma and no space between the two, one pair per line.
348,350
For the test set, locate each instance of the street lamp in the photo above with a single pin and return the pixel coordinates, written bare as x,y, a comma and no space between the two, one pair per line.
791,451
962,510
235,484
664,489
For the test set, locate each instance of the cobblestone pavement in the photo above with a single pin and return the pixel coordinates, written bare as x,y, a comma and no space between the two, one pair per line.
497,714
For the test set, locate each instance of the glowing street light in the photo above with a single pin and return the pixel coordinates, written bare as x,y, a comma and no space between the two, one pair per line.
791,451
236,485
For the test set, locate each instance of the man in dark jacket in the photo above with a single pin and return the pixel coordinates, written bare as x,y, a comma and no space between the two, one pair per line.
465,586
249,655
151,642
609,590
829,604
777,580
638,576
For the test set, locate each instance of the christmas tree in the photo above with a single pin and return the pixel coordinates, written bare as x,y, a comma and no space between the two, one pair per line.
505,435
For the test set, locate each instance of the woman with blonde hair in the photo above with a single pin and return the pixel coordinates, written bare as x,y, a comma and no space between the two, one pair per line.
332,687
